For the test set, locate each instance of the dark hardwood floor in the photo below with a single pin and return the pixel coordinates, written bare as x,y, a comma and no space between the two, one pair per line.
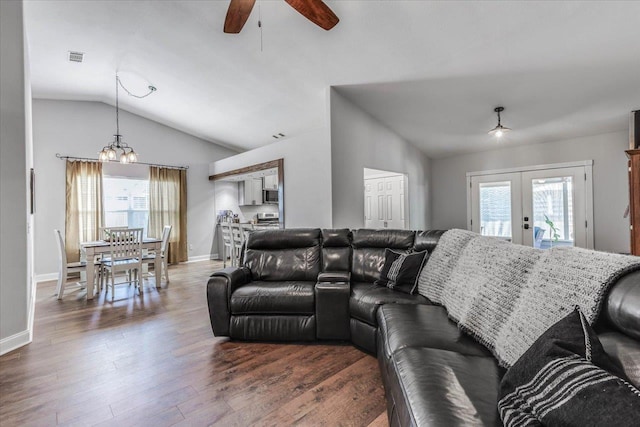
153,361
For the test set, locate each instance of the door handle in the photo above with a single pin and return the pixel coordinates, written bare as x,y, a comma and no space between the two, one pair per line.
526,226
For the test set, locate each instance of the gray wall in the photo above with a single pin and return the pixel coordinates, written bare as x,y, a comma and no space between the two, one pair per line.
359,141
307,176
610,181
15,160
80,128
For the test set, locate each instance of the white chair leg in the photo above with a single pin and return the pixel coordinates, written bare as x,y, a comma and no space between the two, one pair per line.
62,279
97,286
113,284
166,269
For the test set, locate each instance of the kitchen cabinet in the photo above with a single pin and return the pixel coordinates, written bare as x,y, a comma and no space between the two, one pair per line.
271,182
252,192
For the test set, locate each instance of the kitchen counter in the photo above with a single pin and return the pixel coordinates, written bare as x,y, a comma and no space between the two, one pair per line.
263,226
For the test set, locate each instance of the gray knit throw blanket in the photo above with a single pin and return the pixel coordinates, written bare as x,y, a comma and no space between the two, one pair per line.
507,295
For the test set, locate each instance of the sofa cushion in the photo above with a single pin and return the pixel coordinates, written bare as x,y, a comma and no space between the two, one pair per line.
336,259
284,239
625,351
279,255
433,387
292,297
403,325
274,327
336,249
623,305
427,240
400,271
369,247
284,264
336,237
366,298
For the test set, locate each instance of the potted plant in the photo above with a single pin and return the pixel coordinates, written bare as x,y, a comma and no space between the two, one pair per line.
553,230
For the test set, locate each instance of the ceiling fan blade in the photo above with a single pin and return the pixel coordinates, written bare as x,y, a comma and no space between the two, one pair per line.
237,15
315,11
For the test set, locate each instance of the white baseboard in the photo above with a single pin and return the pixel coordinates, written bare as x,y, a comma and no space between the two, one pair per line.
200,258
14,341
46,277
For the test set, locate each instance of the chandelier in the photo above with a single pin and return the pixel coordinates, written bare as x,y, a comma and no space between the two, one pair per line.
499,130
118,149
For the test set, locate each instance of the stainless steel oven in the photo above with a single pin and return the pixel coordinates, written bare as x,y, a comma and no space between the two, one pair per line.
267,219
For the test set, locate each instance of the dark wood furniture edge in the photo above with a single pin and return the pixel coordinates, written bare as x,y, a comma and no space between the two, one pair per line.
634,199
280,163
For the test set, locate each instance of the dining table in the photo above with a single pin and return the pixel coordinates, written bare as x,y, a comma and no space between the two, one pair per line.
90,250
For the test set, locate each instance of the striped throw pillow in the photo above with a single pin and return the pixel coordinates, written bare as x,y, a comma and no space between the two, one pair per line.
401,270
566,378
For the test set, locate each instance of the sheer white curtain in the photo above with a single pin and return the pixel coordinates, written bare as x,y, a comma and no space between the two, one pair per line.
84,213
168,206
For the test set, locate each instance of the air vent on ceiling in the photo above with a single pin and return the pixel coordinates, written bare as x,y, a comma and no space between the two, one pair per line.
278,135
76,56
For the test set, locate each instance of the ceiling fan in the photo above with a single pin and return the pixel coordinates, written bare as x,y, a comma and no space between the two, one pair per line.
315,11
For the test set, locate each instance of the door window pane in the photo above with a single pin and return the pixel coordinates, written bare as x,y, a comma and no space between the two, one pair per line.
553,212
495,209
126,202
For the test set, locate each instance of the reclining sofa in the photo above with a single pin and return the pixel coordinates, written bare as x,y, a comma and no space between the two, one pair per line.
313,284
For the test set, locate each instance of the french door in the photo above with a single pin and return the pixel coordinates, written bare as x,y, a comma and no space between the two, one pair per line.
542,207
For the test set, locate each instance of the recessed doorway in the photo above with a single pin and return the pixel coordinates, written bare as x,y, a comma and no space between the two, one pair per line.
386,201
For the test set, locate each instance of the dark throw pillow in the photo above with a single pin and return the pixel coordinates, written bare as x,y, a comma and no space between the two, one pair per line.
565,378
400,271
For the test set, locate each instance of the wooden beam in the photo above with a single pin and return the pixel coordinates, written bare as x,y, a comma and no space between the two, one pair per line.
249,169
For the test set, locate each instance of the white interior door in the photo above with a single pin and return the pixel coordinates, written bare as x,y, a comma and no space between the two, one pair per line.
540,208
374,203
555,208
496,206
384,202
394,199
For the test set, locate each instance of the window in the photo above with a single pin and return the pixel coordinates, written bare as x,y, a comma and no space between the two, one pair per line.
495,209
126,202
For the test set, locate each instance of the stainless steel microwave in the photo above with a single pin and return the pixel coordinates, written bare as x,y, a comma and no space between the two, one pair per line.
270,196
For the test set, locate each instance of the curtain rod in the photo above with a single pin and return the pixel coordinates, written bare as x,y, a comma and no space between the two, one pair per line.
61,157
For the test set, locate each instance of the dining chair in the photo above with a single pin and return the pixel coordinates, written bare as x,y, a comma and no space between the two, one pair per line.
104,233
125,255
246,230
65,268
237,236
227,240
151,258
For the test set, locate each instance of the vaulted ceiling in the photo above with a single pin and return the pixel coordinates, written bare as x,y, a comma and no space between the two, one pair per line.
432,71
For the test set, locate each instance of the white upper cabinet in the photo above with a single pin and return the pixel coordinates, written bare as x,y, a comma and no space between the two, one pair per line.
271,182
252,192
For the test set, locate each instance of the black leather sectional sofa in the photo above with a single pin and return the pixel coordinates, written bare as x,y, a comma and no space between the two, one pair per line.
312,284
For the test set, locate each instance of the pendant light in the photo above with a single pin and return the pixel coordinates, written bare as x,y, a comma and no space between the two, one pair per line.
499,130
118,149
